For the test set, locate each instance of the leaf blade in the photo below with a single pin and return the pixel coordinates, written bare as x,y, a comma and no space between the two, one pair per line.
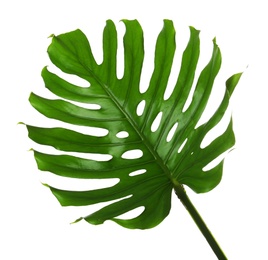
163,163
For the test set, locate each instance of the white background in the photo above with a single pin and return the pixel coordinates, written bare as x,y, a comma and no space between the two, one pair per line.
32,223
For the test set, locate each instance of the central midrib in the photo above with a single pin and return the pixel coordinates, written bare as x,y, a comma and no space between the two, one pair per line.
158,159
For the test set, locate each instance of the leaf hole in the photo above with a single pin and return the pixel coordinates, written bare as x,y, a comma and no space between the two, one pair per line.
148,62
215,162
132,213
182,145
215,98
92,156
71,78
140,108
132,154
76,184
87,106
100,205
176,64
188,100
156,122
172,132
217,130
94,131
95,38
122,134
138,172
121,29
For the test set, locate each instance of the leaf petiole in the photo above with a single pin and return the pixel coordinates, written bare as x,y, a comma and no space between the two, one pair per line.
182,195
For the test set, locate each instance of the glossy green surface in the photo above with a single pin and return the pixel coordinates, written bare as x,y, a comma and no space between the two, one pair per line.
165,163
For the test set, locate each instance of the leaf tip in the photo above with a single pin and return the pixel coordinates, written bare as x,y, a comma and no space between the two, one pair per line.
45,184
30,96
193,29
168,21
44,72
51,35
77,220
128,21
21,123
232,82
110,22
168,25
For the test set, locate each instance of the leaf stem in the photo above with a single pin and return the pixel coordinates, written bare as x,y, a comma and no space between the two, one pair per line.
181,193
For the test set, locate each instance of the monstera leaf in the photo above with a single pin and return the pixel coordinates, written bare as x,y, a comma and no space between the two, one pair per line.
161,133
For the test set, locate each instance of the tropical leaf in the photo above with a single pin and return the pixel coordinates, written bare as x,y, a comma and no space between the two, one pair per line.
164,135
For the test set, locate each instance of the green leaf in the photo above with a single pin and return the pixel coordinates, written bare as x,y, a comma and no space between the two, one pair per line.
163,160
